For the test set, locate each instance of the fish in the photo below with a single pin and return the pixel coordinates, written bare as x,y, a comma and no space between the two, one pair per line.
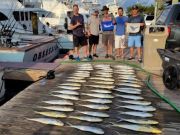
64,96
140,128
69,87
99,95
135,102
95,114
98,100
68,92
85,69
102,79
70,84
49,121
129,81
102,86
129,85
58,102
106,76
130,97
122,67
53,114
139,121
102,82
125,73
132,78
128,88
90,129
87,118
104,73
95,106
139,108
77,78
137,114
74,80
101,91
79,71
58,108
81,75
128,91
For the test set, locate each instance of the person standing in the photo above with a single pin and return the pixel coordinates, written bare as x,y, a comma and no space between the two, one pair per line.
136,22
107,24
120,33
93,32
79,38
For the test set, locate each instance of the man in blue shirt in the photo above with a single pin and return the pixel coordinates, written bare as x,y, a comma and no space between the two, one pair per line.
134,39
120,33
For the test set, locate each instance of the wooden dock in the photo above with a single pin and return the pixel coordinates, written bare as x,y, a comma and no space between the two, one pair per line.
14,114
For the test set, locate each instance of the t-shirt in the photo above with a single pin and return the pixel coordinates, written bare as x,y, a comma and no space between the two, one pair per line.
78,31
107,23
120,25
136,19
94,23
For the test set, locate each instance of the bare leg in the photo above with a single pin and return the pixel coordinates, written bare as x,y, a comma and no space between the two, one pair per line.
139,52
77,51
131,52
94,48
86,52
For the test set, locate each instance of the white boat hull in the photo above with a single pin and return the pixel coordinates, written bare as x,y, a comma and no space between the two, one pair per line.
40,50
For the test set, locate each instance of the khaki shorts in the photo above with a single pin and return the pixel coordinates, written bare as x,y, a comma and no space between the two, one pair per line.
120,41
108,37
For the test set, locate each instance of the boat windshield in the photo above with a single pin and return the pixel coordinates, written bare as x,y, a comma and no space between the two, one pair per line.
3,17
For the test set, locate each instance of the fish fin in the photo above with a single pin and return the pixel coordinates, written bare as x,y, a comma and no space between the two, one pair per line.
117,106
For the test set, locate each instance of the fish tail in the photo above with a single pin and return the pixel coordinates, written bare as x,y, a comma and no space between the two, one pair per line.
120,119
69,124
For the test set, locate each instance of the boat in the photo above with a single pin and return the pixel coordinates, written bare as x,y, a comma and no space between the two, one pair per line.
22,35
2,89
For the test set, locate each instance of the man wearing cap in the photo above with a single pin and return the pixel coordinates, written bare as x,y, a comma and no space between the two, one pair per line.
134,38
107,25
79,38
93,32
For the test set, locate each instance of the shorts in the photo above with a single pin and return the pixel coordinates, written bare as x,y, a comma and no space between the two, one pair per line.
120,41
108,37
79,41
134,41
93,40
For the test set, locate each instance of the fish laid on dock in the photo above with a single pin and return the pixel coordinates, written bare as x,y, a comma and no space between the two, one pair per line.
128,88
140,128
99,95
87,118
101,91
129,85
124,73
98,100
53,114
95,106
69,87
102,82
139,121
70,84
102,79
106,76
137,114
63,96
58,108
95,114
135,102
102,86
77,78
129,81
48,121
90,129
130,97
67,92
139,108
127,91
125,77
76,81
58,102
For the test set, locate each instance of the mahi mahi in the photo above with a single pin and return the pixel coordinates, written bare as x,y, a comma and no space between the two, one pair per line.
87,118
58,102
99,95
49,121
53,114
140,128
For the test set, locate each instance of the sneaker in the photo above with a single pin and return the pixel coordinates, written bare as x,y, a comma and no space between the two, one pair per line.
71,57
112,57
95,55
90,57
86,59
130,58
140,60
107,56
78,59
